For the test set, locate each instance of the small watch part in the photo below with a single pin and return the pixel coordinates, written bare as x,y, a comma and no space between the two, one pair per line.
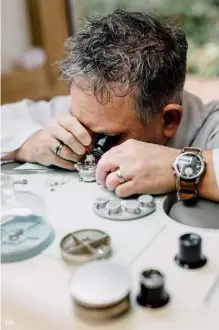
113,207
118,209
152,292
132,207
5,180
101,202
22,181
190,255
146,201
56,181
101,290
85,245
87,168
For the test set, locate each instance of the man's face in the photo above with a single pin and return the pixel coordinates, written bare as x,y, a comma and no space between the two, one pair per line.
115,117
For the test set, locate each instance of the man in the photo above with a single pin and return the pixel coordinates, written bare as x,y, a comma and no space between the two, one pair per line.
126,74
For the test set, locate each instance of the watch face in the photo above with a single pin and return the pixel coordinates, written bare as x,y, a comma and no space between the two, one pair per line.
189,165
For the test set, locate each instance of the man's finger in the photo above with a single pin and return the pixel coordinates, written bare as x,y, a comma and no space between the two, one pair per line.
63,163
65,152
74,127
112,181
68,154
67,138
60,162
125,189
105,165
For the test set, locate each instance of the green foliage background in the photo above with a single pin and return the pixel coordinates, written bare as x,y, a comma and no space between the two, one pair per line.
198,18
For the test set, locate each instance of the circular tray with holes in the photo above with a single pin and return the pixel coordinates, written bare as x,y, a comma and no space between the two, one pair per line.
116,209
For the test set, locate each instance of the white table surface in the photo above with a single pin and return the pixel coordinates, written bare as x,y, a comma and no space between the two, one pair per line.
35,292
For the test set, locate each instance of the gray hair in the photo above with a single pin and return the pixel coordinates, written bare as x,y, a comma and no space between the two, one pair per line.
131,52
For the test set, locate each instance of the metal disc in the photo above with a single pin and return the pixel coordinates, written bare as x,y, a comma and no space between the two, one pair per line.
85,245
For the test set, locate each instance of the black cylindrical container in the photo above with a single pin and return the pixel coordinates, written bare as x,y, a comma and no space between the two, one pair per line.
152,292
190,252
190,247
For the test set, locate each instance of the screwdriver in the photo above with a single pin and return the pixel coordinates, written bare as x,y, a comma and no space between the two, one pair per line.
87,149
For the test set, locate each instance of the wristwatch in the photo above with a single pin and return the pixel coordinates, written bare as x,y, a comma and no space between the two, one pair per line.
188,168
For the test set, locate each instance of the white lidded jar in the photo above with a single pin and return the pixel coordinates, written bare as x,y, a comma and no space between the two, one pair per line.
101,290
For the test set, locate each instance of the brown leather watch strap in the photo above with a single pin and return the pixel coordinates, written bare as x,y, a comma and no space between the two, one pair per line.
196,150
187,189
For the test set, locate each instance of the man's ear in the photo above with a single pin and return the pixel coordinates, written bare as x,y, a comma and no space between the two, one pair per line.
172,115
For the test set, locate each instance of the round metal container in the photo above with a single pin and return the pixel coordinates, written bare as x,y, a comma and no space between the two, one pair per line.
85,245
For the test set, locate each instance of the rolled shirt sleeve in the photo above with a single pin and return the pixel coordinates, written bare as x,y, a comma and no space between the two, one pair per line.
213,143
216,164
22,119
208,135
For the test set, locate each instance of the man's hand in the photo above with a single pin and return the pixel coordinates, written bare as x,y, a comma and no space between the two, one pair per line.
145,167
41,146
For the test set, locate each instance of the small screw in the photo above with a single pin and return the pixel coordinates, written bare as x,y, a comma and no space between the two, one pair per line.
23,181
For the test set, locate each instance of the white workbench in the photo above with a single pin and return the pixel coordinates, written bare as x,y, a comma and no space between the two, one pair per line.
35,292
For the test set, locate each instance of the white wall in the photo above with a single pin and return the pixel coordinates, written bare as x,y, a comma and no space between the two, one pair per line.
14,31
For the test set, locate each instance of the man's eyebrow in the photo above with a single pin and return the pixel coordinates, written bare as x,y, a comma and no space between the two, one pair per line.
101,130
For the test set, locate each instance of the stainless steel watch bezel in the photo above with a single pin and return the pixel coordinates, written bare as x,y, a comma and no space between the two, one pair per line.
178,174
